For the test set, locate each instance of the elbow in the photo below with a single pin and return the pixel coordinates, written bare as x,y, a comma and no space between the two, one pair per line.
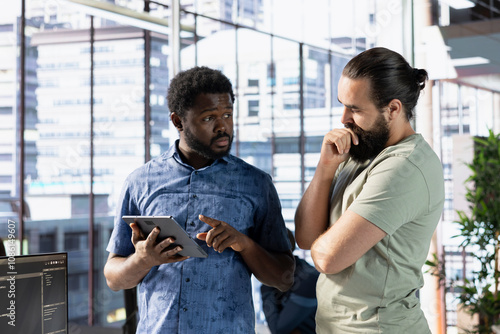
285,286
326,263
281,286
287,282
108,275
112,285
326,267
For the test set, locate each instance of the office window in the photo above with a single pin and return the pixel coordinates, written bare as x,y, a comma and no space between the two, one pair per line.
313,144
75,241
47,243
287,145
253,82
253,108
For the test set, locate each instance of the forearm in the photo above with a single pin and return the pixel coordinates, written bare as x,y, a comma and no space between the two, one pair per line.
124,272
312,214
344,243
270,268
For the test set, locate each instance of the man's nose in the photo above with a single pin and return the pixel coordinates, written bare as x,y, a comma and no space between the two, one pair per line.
220,125
346,116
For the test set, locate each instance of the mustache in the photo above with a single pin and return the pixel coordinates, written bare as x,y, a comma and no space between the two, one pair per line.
221,135
357,130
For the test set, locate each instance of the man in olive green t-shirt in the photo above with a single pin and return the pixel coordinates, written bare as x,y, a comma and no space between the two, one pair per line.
374,202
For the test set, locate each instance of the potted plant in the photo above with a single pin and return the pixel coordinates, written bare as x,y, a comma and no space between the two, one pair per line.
479,230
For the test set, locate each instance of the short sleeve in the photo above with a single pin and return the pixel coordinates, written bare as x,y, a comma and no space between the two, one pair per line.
270,230
120,241
389,199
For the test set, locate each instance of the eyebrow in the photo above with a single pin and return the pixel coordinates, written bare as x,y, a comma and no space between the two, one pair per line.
350,106
208,110
215,108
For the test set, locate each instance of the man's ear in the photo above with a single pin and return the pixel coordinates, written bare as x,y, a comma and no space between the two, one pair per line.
395,109
176,121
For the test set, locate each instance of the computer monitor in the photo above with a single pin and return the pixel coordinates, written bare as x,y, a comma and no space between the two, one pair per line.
34,294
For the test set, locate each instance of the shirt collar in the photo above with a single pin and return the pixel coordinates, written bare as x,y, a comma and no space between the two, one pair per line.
173,152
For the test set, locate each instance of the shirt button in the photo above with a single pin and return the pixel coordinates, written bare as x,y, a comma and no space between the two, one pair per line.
194,196
185,309
187,279
192,223
196,173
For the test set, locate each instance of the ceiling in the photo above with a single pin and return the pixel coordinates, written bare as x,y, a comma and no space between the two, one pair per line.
480,38
475,39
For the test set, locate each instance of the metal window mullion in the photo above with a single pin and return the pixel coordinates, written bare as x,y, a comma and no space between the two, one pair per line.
22,111
460,111
195,37
176,37
147,94
236,57
273,85
91,242
301,110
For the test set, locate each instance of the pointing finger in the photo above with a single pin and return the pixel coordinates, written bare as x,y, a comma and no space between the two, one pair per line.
210,221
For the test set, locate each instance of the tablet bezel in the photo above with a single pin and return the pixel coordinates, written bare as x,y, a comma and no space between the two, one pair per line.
169,227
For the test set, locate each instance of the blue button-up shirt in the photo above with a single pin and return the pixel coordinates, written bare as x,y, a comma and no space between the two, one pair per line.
211,295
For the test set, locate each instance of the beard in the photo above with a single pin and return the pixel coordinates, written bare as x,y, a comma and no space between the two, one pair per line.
371,142
204,150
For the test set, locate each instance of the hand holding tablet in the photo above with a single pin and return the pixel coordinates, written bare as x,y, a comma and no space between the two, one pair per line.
168,228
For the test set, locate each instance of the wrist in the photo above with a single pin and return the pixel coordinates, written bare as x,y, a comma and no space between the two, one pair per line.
140,263
245,245
326,170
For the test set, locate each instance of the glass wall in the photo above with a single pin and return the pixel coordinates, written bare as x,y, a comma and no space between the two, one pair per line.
464,112
86,104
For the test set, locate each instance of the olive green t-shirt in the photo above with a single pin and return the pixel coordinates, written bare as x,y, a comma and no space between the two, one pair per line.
402,192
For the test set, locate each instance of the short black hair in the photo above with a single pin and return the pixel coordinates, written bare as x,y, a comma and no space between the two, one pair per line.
390,76
187,85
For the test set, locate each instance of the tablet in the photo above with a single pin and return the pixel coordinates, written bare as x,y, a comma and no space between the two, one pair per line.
168,228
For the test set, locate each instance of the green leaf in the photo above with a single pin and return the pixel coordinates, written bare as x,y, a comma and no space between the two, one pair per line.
479,229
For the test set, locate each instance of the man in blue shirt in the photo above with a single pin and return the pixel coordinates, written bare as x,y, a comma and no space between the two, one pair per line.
231,207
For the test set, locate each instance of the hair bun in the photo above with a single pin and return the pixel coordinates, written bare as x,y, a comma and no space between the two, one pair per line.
421,76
